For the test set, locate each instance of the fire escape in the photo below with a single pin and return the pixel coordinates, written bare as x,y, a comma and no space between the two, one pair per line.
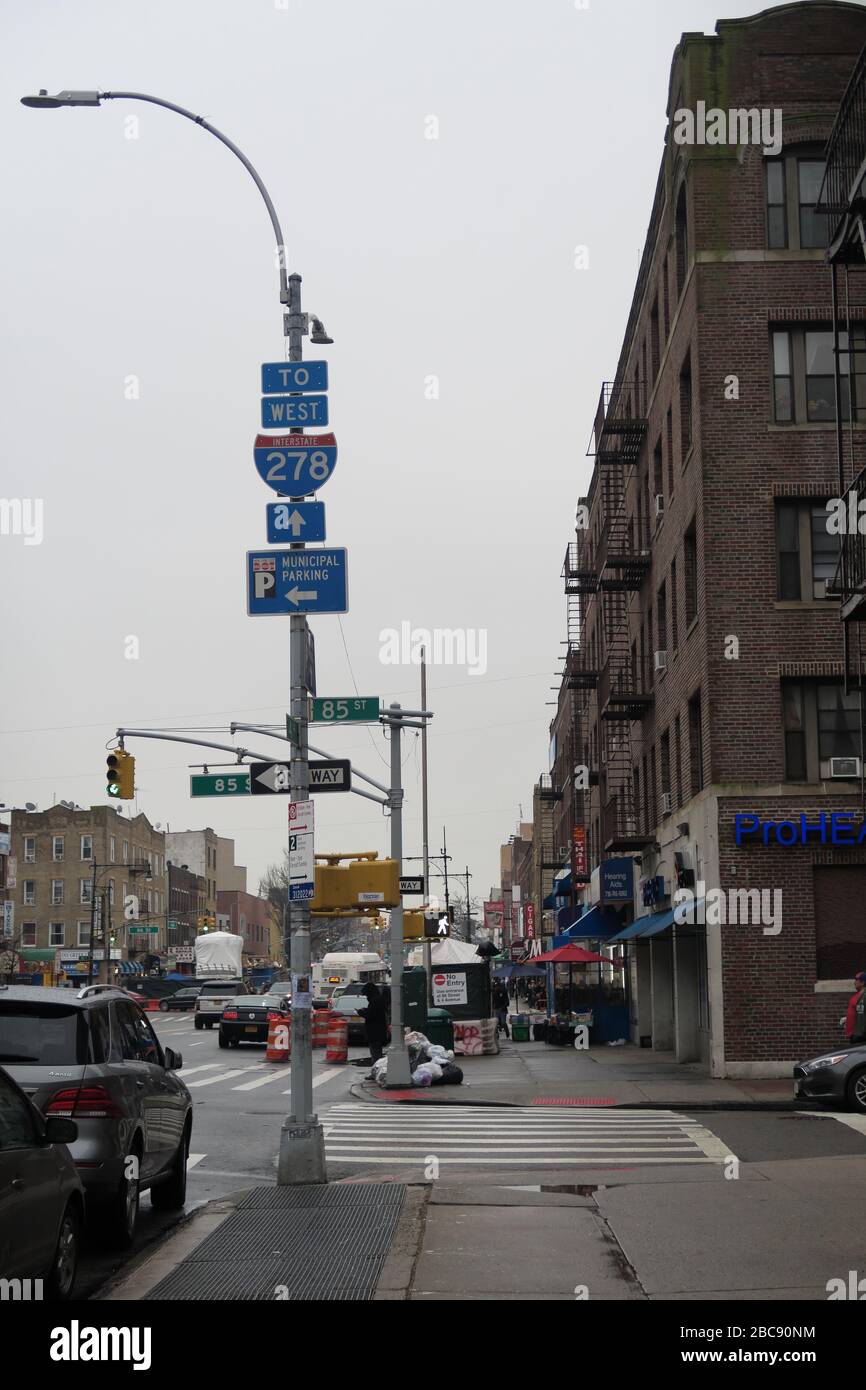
580,673
843,198
621,565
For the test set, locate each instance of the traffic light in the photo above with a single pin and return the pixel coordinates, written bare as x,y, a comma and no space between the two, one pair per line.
413,926
437,927
120,775
363,884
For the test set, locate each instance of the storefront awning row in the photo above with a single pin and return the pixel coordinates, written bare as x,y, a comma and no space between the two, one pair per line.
648,926
131,967
596,924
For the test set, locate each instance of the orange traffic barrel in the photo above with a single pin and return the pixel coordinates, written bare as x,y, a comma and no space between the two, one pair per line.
338,1039
320,1027
279,1047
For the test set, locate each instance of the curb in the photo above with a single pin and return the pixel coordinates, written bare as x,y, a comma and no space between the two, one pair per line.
361,1092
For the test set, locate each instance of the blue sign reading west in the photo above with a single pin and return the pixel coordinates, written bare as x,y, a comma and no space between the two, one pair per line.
296,521
294,411
295,464
296,581
294,376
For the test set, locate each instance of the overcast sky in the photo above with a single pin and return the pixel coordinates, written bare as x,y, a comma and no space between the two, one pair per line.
139,258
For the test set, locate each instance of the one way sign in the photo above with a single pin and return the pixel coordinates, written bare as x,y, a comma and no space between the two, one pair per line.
266,779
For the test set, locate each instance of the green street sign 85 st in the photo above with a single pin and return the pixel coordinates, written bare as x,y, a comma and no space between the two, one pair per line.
209,784
357,709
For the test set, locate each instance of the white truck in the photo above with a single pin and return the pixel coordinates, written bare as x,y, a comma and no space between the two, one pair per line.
219,971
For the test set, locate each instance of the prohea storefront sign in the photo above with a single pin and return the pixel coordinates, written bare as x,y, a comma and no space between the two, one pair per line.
833,828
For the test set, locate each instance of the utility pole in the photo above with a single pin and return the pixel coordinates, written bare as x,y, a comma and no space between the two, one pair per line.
467,876
425,846
302,1143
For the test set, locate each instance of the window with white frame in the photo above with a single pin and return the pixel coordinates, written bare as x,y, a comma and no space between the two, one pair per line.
87,847
56,932
83,933
28,933
112,848
126,851
56,891
28,891
86,890
111,892
29,849
57,848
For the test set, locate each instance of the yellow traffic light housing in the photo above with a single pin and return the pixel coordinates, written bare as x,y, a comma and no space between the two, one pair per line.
413,926
120,775
365,884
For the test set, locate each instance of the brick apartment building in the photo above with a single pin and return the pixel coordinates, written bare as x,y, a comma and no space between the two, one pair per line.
56,851
704,675
252,918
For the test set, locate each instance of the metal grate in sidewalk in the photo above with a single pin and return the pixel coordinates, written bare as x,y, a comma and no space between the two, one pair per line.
287,1243
572,1100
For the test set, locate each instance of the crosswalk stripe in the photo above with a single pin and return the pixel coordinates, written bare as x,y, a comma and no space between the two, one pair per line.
205,1066
193,1159
322,1078
527,1159
223,1076
275,1074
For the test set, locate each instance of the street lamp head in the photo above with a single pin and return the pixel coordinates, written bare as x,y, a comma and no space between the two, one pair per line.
318,334
44,102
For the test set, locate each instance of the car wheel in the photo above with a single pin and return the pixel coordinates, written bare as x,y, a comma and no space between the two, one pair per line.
171,1194
121,1217
61,1276
209,1027
855,1091
198,1025
163,1006
223,1041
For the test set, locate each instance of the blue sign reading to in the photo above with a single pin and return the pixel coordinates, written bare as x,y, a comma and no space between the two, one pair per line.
295,464
296,581
294,376
296,521
294,412
617,880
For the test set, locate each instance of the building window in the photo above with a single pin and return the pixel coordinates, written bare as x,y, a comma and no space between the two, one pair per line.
56,891
56,933
112,848
666,769
669,428
111,892
655,348
777,218
690,556
29,849
696,744
678,760
83,933
686,407
821,723
28,933
665,308
87,847
662,619
814,226
28,889
803,379
126,851
807,553
658,474
57,849
674,637
85,886
682,240
792,185
652,789
783,380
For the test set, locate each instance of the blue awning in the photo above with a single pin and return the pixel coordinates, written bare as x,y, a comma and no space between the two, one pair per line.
597,925
131,967
645,926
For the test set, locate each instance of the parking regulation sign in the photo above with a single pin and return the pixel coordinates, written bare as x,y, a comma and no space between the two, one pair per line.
302,871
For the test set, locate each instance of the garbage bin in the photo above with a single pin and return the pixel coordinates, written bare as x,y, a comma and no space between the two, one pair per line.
440,1028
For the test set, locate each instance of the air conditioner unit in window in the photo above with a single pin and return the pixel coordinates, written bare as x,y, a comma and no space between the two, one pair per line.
844,767
660,505
661,661
819,588
667,803
630,826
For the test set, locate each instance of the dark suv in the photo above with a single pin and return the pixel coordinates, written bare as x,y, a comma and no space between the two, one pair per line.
92,1056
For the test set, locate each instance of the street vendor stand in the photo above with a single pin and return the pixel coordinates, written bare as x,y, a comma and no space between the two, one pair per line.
581,1002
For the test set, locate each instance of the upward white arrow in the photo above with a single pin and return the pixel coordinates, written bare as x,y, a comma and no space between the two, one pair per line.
296,523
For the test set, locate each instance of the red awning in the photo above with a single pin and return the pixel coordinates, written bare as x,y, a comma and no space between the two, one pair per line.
574,955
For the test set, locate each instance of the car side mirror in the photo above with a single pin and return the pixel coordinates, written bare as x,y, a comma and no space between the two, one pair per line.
60,1131
173,1060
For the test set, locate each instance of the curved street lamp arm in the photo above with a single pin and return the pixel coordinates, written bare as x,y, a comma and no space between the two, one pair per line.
250,168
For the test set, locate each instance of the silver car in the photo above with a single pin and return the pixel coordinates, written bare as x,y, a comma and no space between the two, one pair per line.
90,1055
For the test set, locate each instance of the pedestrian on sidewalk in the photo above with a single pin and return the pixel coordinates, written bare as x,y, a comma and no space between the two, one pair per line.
375,1021
500,1005
855,1019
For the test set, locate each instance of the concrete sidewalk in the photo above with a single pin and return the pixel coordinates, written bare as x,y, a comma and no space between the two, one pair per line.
533,1073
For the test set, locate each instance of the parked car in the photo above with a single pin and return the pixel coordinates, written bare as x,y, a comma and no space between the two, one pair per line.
154,986
213,998
90,1055
245,1019
183,1000
347,1006
41,1195
838,1076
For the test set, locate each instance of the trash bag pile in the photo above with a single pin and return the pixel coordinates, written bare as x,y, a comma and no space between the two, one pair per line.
429,1064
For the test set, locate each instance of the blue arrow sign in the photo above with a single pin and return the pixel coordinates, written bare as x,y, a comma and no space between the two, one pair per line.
294,412
296,581
296,521
295,464
294,376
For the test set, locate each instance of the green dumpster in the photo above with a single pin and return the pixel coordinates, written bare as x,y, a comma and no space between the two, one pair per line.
440,1028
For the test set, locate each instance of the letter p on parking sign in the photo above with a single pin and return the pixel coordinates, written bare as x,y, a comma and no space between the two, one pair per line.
264,578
